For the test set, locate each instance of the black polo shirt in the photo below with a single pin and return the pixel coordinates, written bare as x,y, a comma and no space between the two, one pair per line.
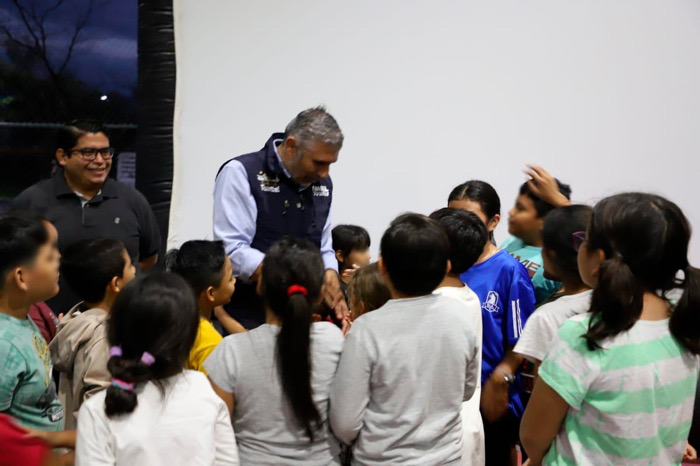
118,211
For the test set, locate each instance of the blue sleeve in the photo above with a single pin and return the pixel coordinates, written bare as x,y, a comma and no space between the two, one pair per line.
521,304
235,219
327,252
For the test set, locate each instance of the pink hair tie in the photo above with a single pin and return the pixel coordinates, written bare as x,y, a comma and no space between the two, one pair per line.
147,358
127,386
115,351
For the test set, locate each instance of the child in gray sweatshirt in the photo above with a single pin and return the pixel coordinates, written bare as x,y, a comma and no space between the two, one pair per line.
407,367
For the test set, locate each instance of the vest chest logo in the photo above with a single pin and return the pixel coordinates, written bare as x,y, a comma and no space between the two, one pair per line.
269,184
320,191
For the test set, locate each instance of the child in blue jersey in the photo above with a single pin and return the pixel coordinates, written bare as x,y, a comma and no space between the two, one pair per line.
507,299
525,222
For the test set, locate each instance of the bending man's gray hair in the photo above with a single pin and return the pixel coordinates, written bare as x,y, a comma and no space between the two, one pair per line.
315,124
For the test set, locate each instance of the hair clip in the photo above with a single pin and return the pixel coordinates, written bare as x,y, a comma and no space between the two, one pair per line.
147,358
115,351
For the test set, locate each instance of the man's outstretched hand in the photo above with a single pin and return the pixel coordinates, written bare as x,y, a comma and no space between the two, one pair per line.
333,295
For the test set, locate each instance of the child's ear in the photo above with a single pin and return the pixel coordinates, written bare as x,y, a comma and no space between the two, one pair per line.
449,267
493,223
17,276
601,258
339,256
209,293
382,268
115,284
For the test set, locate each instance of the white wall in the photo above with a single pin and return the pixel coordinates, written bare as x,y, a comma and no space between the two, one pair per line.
429,94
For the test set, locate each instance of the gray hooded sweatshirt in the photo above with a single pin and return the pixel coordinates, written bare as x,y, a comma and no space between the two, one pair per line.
80,352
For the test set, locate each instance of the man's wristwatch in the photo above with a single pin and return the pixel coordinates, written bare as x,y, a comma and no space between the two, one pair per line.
507,376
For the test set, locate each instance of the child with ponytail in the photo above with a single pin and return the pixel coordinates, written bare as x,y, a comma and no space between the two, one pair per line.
618,384
154,412
276,378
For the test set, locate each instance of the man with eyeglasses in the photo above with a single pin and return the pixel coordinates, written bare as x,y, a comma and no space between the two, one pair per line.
82,201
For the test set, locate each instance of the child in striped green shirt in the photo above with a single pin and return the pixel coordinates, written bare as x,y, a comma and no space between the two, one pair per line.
618,384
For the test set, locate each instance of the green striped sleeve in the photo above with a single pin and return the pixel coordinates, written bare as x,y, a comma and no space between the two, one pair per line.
567,369
594,440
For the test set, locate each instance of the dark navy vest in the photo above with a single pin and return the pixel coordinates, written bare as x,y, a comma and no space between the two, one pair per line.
283,210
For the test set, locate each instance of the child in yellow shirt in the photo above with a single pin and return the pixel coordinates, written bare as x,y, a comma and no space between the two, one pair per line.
207,269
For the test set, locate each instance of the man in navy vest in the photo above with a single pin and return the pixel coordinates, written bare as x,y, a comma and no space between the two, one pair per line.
284,189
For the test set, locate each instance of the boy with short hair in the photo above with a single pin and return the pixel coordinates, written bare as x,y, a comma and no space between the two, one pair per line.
525,222
415,358
96,270
207,269
468,236
28,274
351,245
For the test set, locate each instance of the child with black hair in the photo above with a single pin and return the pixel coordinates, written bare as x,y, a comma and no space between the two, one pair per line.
563,232
507,299
29,264
40,312
275,379
407,367
351,245
207,269
525,221
96,270
468,237
154,412
618,384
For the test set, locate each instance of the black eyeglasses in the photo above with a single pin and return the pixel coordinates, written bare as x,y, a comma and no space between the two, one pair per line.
577,240
89,153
